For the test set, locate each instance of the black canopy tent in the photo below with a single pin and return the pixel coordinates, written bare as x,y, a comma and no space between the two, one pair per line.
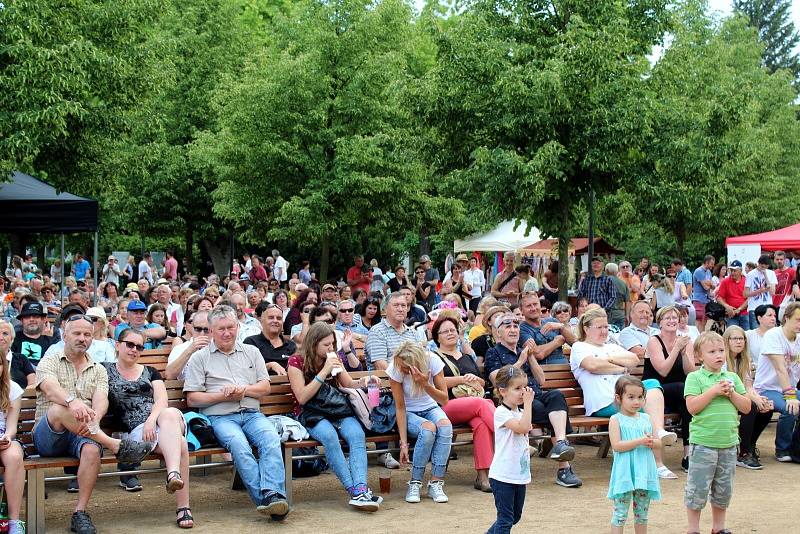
28,205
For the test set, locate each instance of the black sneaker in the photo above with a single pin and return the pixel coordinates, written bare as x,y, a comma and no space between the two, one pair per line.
685,464
130,483
275,505
72,486
748,461
81,523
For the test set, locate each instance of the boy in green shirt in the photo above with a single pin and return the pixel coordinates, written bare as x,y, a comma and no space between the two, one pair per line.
714,398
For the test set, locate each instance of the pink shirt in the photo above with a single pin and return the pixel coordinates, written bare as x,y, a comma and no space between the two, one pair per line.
171,269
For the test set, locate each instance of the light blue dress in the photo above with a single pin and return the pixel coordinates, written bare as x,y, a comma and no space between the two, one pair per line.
634,469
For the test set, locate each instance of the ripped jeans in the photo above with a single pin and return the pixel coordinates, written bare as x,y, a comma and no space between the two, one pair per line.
433,446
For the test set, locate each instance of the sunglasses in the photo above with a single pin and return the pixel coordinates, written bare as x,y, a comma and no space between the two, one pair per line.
79,317
329,321
202,329
510,322
347,310
308,310
131,346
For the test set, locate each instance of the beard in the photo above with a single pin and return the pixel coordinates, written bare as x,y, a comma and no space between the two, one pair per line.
32,329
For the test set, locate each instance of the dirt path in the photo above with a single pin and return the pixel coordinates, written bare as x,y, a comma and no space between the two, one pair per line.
760,504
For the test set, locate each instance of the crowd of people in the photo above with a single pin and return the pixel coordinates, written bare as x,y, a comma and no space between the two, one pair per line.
462,349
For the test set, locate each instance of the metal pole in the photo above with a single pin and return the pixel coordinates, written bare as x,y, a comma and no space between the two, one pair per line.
94,268
61,285
591,228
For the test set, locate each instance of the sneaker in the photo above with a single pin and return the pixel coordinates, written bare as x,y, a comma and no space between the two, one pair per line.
15,526
388,461
374,498
562,452
72,486
364,502
566,477
667,438
665,473
748,461
685,464
130,483
414,487
81,523
275,505
783,456
436,491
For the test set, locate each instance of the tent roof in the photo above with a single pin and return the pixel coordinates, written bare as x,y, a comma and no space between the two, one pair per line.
577,245
784,238
502,238
31,206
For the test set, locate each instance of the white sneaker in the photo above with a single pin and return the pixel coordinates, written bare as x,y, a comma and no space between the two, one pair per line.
667,438
414,487
436,491
363,501
665,473
388,461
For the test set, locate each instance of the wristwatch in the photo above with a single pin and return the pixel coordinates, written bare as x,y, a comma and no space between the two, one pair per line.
69,399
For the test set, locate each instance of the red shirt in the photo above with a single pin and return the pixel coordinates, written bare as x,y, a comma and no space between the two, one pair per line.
356,280
732,292
171,269
258,274
784,287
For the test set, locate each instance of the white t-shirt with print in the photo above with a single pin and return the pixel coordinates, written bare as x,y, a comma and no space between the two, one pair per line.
598,390
754,280
14,393
775,342
422,401
512,459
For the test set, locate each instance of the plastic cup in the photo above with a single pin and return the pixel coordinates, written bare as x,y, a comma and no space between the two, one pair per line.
373,395
385,479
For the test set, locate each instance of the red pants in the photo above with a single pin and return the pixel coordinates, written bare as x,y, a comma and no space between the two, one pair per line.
479,414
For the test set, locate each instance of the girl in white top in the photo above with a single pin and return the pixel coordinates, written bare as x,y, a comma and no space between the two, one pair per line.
511,466
10,450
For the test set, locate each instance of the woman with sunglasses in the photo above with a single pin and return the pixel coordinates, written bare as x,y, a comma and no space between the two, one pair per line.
139,402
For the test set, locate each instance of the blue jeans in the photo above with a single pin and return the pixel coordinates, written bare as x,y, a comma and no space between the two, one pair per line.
236,432
433,446
509,500
352,475
742,321
786,422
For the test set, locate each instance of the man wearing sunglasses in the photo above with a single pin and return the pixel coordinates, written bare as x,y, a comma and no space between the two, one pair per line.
274,349
197,329
348,320
549,407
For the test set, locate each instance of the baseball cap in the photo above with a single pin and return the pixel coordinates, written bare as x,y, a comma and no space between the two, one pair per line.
735,264
329,286
96,311
32,309
136,305
598,258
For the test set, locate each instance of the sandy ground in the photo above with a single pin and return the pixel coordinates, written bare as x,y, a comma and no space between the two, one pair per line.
761,503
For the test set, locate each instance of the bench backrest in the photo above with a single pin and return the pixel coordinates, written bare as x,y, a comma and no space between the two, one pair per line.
559,376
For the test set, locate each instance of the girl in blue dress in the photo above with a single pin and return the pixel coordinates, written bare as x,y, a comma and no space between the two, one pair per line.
634,477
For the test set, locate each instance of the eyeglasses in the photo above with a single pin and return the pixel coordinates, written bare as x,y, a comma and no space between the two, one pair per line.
134,346
347,310
599,326
201,329
445,332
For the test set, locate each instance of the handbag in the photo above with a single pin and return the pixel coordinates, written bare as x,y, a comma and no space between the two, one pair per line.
461,390
329,403
359,402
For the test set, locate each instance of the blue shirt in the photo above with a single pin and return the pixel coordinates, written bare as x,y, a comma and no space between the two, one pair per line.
528,331
81,268
684,276
356,327
699,293
149,344
499,356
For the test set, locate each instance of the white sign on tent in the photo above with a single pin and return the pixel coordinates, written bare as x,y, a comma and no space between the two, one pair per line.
744,253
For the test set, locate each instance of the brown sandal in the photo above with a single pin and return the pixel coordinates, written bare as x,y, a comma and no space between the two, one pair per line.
186,516
174,482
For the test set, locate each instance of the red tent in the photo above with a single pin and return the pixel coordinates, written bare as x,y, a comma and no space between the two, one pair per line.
784,239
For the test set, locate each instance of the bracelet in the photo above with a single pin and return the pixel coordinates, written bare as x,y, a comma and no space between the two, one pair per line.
318,379
789,397
404,445
790,390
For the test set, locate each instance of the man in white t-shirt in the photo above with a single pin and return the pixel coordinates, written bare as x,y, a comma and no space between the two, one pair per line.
145,268
473,276
758,286
281,268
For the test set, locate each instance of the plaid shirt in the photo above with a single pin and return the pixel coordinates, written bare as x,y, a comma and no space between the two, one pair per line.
56,366
599,290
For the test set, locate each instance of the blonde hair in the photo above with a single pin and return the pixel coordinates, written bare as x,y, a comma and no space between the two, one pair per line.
588,316
413,355
705,338
5,375
746,361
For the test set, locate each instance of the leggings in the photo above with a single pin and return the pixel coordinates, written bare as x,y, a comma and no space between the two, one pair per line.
751,426
674,402
641,505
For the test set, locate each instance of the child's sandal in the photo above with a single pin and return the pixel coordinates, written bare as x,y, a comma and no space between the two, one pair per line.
723,531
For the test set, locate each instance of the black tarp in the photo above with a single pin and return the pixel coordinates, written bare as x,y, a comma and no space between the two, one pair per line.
28,205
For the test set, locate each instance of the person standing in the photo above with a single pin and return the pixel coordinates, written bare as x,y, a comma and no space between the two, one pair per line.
506,287
785,276
146,268
757,288
702,286
473,276
111,271
622,303
433,277
171,267
598,288
280,270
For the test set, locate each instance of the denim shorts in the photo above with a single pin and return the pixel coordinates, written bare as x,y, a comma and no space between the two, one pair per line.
51,443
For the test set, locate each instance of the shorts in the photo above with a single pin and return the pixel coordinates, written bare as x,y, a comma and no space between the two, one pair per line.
52,444
136,433
699,310
711,473
611,409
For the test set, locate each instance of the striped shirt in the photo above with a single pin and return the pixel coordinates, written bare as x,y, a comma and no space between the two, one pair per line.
93,378
717,425
383,340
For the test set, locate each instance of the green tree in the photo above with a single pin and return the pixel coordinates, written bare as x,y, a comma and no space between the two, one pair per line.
536,103
773,20
722,155
313,144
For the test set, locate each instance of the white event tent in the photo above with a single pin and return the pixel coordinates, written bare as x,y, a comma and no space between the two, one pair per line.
502,238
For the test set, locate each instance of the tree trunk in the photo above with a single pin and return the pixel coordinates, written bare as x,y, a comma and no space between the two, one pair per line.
680,239
424,244
17,242
325,258
219,252
189,246
564,236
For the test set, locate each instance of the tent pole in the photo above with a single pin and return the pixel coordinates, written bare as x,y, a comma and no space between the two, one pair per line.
61,285
94,269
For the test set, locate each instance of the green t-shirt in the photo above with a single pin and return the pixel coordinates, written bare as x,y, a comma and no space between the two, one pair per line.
717,425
